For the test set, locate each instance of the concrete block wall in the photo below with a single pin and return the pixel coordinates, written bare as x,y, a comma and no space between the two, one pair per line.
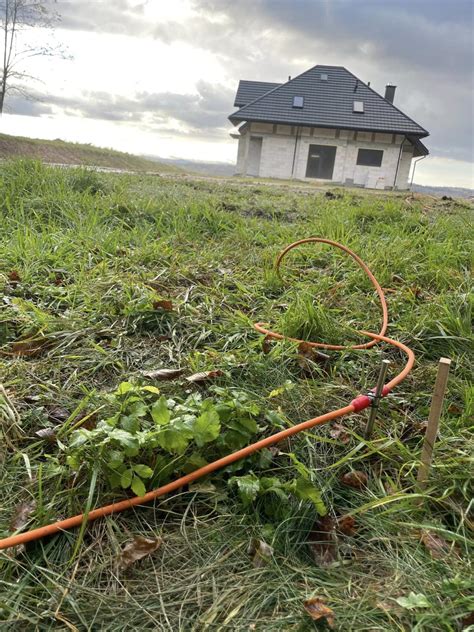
285,154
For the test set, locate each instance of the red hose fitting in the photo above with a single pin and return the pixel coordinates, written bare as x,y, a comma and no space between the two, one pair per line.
361,402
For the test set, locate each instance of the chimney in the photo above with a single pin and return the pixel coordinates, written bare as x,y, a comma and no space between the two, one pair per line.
390,92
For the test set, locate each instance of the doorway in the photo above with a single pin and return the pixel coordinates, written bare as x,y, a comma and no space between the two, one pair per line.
255,153
321,160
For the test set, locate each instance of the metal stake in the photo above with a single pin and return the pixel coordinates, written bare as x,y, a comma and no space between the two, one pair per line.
376,397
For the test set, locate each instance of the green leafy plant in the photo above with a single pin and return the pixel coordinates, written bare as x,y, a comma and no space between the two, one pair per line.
148,439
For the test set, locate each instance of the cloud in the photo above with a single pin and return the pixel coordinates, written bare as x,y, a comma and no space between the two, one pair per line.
423,46
205,111
122,17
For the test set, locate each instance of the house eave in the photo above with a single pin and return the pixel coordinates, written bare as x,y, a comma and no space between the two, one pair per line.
236,120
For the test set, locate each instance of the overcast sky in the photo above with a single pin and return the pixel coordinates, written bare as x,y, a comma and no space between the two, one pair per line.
159,76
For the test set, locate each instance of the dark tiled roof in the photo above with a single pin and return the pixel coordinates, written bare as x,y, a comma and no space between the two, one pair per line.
250,90
328,104
420,149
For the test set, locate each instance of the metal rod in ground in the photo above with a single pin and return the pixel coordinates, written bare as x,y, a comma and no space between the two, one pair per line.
376,398
433,422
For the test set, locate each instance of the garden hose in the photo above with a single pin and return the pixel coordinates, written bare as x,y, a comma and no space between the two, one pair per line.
356,405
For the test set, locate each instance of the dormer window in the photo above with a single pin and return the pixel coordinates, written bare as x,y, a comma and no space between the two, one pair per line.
358,107
298,102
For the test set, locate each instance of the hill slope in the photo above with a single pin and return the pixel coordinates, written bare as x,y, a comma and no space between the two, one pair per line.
62,152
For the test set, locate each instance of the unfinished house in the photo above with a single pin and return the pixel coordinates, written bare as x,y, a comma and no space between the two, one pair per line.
327,125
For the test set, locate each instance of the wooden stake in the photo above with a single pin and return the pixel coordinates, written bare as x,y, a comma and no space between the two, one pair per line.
433,422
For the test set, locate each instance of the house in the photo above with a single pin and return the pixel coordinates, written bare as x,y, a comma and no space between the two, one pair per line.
325,124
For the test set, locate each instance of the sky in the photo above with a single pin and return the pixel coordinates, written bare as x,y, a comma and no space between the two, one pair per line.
158,77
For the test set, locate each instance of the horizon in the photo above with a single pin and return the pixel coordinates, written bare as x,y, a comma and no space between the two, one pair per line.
120,90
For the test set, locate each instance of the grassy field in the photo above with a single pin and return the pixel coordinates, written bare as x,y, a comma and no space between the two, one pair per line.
106,278
62,152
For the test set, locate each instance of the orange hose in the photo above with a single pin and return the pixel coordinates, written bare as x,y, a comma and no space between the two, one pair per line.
323,345
359,403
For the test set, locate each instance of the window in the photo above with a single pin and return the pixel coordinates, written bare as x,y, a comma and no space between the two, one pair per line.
298,102
324,77
358,107
370,157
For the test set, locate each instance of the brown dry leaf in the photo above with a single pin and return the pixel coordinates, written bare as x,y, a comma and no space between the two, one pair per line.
204,376
164,304
14,277
57,413
322,541
390,607
86,420
31,347
437,547
346,525
267,344
136,549
467,621
308,355
454,409
163,374
47,434
356,479
317,609
260,552
339,432
21,515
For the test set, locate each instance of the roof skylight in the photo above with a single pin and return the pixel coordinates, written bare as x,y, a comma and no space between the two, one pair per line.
358,107
298,102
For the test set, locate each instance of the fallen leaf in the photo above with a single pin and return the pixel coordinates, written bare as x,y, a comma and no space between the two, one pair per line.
317,609
260,552
47,434
467,621
14,277
267,344
164,304
308,355
31,347
21,515
138,548
322,541
346,525
437,547
57,413
163,374
204,376
86,420
454,409
389,606
356,479
339,432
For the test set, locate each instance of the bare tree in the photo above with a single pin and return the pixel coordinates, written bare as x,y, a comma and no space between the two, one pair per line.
17,16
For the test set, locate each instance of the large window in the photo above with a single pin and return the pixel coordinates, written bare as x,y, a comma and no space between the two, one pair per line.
370,157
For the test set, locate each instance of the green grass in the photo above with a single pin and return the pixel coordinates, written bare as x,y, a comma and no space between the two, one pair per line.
82,259
63,152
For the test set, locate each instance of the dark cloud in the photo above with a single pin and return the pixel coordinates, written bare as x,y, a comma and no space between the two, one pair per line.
204,112
423,46
122,17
